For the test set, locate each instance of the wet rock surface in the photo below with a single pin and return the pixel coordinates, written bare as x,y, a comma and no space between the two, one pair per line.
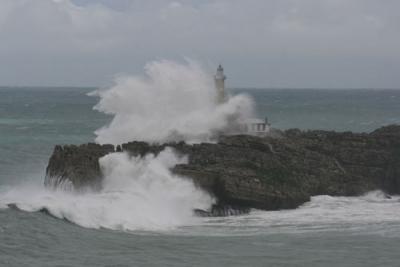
275,172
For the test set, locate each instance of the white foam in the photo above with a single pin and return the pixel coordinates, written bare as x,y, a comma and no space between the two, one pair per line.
129,203
171,102
323,213
138,194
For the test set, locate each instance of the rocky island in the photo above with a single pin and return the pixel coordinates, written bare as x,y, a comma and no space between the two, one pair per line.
273,172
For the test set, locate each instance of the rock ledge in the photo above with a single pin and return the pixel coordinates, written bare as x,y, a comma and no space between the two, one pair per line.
259,172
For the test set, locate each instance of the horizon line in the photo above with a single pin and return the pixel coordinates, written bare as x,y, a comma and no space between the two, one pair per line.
229,88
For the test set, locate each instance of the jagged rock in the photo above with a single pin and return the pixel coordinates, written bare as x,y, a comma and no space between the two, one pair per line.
222,211
76,167
274,172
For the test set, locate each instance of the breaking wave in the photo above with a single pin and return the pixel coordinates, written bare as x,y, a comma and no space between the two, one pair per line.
138,194
171,102
372,213
121,209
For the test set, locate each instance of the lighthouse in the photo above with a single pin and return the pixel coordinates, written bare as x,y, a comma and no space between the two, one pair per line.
220,84
250,126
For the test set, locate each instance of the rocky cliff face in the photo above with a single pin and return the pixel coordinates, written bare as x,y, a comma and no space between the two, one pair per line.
76,166
262,172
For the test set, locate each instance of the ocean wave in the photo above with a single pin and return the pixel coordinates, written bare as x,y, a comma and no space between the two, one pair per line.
128,211
138,194
323,213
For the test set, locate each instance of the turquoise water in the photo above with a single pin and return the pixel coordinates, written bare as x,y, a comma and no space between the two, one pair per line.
33,120
328,231
340,110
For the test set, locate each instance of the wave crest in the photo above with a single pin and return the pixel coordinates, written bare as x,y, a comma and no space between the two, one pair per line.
138,194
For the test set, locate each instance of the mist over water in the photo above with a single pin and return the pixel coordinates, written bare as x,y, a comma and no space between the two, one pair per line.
171,102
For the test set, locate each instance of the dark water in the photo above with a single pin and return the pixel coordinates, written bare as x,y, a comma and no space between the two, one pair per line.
328,231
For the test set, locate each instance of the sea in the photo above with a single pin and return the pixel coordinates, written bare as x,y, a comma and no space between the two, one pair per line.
327,231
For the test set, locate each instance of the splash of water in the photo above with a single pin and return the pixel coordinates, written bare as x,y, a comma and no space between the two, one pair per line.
138,194
372,213
172,102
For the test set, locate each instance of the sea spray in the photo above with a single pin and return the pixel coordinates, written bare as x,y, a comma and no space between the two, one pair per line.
154,193
171,102
369,213
139,193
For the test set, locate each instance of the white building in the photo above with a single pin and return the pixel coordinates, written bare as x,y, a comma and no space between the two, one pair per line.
257,126
252,126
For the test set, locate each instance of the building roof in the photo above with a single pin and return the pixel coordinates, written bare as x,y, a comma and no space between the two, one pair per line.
254,120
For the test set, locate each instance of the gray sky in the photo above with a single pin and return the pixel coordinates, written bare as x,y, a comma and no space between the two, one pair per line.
261,43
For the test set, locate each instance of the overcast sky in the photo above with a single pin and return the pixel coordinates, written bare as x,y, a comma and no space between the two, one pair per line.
261,43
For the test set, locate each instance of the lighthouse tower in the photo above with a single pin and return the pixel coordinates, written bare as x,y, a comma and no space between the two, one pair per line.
220,84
